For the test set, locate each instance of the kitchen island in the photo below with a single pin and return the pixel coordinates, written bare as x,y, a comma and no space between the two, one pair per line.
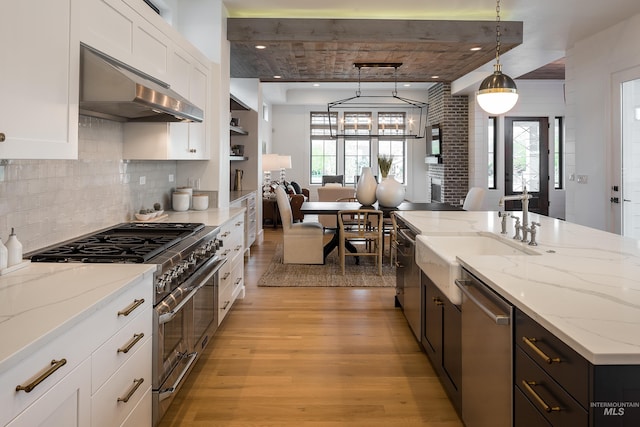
582,286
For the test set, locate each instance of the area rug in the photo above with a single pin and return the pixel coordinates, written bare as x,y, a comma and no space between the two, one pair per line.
278,274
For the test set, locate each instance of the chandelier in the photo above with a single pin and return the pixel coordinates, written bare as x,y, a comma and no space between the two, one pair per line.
411,115
498,92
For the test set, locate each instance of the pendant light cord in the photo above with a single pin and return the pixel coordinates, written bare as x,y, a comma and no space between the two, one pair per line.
498,34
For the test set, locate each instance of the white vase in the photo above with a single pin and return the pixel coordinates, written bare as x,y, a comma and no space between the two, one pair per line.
390,193
366,188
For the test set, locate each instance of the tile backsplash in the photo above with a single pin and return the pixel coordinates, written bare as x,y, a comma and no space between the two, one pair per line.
48,201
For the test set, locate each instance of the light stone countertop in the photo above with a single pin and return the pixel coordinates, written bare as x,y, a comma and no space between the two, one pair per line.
41,301
586,291
211,216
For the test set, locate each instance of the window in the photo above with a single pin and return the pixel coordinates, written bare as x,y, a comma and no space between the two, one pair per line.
357,149
390,124
557,153
491,153
347,156
324,152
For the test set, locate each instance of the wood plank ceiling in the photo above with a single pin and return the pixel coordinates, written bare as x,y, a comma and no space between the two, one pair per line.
325,50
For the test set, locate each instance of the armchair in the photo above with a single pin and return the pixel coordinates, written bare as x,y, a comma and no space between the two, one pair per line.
303,242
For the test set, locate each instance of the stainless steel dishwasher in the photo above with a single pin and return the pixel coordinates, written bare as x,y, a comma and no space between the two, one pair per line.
408,276
487,371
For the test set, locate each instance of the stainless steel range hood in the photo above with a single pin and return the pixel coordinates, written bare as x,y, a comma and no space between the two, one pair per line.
113,90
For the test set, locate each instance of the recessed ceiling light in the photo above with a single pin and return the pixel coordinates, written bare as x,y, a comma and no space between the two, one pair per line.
316,84
476,48
435,77
277,77
260,46
407,85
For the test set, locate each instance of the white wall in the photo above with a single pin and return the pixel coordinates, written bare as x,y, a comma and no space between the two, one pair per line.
538,98
590,66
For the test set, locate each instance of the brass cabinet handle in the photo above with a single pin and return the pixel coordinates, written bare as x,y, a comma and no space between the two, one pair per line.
55,365
437,301
530,342
135,304
2,137
136,385
132,342
527,385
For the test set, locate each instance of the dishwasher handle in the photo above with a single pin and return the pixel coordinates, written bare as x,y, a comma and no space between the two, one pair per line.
498,318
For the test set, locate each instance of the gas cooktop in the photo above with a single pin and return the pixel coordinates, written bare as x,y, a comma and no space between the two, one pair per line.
124,243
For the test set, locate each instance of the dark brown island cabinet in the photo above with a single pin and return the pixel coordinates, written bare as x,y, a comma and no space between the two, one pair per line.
553,385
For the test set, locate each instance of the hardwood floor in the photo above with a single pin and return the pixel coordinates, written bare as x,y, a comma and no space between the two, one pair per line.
311,357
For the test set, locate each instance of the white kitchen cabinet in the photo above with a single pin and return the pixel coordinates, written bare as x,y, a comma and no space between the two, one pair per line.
247,201
65,404
38,80
231,275
119,30
70,394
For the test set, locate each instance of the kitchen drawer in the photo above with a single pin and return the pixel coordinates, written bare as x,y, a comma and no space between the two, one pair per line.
107,405
526,415
141,415
572,370
569,412
124,309
120,348
225,301
67,346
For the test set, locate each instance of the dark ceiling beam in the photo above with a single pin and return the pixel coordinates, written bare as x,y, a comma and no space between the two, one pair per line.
370,30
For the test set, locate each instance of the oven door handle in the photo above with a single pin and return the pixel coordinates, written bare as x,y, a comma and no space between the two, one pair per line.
167,392
211,267
167,317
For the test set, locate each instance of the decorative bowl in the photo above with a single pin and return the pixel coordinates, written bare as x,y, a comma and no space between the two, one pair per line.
143,217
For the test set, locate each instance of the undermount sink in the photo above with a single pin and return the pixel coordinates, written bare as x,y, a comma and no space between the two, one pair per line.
436,256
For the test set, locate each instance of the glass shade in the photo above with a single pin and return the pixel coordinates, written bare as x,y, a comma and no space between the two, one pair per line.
498,93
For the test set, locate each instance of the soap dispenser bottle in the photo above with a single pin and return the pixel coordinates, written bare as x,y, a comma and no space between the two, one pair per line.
3,256
14,249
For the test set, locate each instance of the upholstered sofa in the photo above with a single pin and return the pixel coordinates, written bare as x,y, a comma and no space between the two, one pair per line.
331,193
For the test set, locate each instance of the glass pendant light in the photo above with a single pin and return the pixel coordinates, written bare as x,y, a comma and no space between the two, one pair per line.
498,92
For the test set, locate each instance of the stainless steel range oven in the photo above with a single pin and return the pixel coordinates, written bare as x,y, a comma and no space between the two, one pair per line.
185,282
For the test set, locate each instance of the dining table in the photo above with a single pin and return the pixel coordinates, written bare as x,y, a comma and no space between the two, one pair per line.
332,208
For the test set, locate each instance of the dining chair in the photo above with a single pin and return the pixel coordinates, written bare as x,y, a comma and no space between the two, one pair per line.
303,242
474,199
362,227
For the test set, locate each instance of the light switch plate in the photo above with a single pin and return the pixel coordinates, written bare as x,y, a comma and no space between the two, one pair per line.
143,180
582,179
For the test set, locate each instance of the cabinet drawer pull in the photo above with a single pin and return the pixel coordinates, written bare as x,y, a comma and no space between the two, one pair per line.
226,304
132,342
136,385
226,275
527,385
2,137
238,280
437,301
135,304
238,224
55,365
238,248
530,342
